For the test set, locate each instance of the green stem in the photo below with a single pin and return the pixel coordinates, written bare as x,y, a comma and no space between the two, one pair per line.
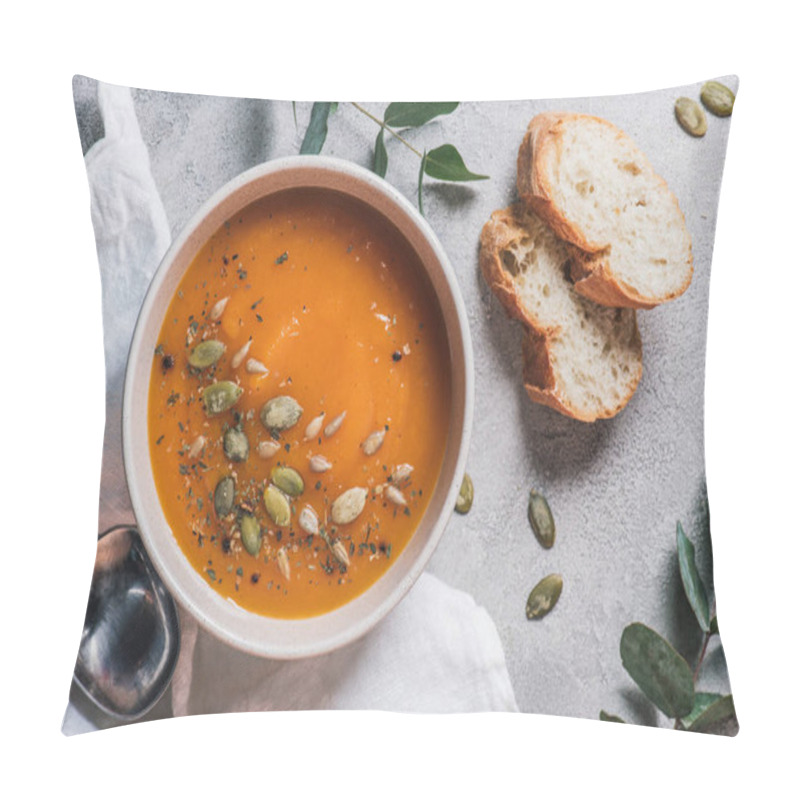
387,128
706,639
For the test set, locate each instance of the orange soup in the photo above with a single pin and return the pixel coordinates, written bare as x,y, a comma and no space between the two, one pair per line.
299,403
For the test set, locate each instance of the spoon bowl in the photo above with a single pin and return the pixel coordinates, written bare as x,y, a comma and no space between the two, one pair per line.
131,634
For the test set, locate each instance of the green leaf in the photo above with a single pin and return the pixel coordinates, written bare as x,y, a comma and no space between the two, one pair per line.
419,181
606,717
381,161
702,700
659,671
713,626
317,129
412,115
692,583
446,164
719,712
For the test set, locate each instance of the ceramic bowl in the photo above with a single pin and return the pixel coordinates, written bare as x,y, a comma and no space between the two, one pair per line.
242,629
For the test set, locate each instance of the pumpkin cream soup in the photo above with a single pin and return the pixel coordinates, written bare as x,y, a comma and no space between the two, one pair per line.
299,403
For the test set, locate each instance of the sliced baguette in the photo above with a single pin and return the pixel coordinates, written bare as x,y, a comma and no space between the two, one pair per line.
582,359
589,181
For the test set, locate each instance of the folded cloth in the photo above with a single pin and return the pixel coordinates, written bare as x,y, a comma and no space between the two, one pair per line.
437,651
132,235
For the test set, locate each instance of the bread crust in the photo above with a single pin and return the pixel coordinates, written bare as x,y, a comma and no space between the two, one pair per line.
590,270
592,277
503,228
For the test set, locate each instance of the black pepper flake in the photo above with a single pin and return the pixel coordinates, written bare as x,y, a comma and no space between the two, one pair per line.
397,355
226,544
167,363
225,260
254,578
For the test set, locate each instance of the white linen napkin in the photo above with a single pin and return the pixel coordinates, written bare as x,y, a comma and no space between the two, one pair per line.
436,652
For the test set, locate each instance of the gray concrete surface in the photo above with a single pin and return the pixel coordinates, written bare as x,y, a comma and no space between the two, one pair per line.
616,487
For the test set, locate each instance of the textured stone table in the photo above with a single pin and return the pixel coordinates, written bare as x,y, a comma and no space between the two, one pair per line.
616,487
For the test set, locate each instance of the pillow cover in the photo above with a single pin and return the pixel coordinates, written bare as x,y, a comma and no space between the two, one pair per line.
299,409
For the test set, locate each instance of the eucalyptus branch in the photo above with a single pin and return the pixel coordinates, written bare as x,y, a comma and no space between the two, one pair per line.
663,675
387,128
443,163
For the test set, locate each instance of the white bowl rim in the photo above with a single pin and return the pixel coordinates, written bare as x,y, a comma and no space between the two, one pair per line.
162,549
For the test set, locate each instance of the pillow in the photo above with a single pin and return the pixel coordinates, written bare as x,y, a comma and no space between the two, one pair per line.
297,298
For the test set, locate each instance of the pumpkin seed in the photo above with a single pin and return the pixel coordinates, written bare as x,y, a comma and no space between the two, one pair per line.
197,447
255,367
220,396
340,553
373,442
235,445
277,506
240,354
541,519
223,496
206,354
218,308
348,505
251,534
308,520
402,472
314,427
717,98
465,495
280,413
543,596
268,448
690,116
288,480
334,424
283,564
319,464
395,496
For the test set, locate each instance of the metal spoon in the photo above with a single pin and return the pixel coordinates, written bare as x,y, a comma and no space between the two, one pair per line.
131,635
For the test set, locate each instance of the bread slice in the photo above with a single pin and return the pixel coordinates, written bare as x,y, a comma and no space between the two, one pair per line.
597,190
580,358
